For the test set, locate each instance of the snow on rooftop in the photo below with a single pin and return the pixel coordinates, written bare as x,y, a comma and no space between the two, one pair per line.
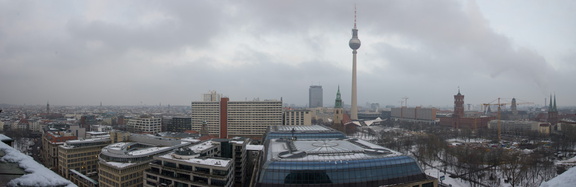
37,174
4,137
302,128
254,147
117,146
201,147
201,161
148,150
193,140
119,164
565,179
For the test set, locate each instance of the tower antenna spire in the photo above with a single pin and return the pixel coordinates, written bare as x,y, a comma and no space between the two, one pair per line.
354,16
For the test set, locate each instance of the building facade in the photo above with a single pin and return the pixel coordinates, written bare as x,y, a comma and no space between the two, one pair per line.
123,164
327,161
237,118
315,96
297,117
218,162
51,139
150,125
80,156
180,124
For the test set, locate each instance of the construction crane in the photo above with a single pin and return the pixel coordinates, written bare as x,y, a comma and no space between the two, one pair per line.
499,104
405,101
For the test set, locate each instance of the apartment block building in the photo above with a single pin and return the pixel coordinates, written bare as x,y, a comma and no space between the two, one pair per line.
150,125
237,118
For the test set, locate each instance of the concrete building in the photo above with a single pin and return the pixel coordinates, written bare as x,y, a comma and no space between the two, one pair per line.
520,127
415,114
211,96
237,118
180,124
78,159
218,162
314,159
354,44
297,117
51,139
315,96
123,164
149,125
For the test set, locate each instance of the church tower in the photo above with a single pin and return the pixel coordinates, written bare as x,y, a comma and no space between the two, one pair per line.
552,112
338,113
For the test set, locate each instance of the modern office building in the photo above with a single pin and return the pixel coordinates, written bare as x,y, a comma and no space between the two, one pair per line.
315,96
123,163
180,124
218,162
78,160
297,117
149,125
237,118
328,161
80,156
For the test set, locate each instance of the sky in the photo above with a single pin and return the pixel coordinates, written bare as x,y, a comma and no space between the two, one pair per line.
172,52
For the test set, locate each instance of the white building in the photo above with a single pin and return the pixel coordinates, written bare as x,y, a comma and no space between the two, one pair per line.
145,125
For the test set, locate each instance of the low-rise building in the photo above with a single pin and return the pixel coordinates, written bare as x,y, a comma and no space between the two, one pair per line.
123,163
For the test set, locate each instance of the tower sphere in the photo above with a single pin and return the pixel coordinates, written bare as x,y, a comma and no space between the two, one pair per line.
354,43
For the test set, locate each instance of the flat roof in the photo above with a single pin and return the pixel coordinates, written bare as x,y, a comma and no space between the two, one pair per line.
326,150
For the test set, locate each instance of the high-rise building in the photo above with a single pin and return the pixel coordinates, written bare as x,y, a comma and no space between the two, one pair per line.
149,125
354,44
237,118
315,96
212,96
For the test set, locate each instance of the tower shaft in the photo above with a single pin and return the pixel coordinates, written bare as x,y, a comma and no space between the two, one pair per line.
354,102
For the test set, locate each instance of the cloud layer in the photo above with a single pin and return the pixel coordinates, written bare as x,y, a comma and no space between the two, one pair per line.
127,53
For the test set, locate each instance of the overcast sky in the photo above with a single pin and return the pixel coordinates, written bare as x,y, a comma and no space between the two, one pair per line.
171,52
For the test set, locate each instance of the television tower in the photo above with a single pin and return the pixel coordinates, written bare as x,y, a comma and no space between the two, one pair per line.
354,45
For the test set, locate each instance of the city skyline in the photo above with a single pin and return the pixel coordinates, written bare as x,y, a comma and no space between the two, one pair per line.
84,53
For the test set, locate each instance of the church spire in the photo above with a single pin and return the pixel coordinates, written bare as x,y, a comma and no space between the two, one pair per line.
338,103
555,109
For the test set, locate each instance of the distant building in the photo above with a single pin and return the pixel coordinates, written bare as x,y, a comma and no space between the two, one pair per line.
149,125
237,118
520,128
415,114
211,96
180,124
297,117
315,96
459,120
